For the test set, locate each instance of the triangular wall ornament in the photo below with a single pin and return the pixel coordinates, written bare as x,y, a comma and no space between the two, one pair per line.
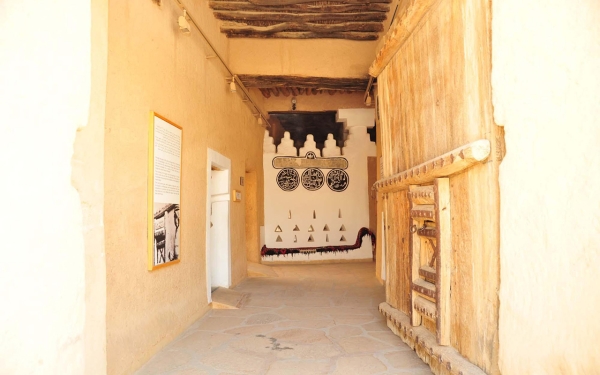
326,228
311,239
278,239
314,214
343,239
326,238
295,239
278,229
340,213
343,228
311,229
296,229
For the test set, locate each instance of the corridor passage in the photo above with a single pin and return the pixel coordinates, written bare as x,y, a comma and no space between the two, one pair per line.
311,320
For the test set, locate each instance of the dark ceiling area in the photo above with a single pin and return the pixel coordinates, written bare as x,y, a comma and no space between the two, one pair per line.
300,124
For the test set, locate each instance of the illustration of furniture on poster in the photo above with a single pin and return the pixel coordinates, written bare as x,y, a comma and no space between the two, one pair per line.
166,232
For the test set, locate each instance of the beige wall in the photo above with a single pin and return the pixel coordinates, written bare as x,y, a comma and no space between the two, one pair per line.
335,57
154,67
546,85
52,102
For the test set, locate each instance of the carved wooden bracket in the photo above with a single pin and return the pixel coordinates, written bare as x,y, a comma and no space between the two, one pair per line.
446,165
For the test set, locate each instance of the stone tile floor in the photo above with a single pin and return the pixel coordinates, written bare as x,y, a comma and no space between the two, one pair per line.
313,319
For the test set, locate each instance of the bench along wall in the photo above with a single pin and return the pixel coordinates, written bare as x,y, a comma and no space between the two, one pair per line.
317,199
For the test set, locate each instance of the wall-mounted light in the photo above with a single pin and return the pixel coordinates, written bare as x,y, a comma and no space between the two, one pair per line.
232,86
260,120
369,100
294,101
184,25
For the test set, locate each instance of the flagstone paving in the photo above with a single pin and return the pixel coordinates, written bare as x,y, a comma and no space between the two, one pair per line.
311,320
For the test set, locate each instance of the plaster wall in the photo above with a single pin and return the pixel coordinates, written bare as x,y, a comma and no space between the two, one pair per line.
546,93
52,105
317,209
152,66
309,57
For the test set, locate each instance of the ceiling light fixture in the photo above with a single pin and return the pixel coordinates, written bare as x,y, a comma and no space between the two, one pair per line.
184,25
232,86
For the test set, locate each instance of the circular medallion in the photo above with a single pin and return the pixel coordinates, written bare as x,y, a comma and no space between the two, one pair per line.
288,179
312,179
337,180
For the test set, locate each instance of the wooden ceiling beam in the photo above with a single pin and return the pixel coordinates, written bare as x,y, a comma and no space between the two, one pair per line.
244,16
302,82
297,26
274,91
349,35
290,2
285,91
294,91
266,93
300,8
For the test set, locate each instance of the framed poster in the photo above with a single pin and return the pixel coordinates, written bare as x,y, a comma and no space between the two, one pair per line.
164,192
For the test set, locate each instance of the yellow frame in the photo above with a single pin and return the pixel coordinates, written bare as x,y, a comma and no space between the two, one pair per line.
151,266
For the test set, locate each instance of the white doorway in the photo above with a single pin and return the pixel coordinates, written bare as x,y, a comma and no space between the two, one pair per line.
218,246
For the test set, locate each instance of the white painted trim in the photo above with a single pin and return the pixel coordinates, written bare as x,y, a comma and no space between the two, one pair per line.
214,159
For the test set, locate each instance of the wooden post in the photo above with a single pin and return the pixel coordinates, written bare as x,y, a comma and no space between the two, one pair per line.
415,260
444,259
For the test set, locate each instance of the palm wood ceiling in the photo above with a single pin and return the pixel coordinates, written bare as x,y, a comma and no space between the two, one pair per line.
295,85
302,19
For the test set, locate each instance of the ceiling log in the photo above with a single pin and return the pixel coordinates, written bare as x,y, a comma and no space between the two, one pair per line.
302,82
274,91
296,27
290,2
300,17
285,91
300,8
266,93
349,35
294,91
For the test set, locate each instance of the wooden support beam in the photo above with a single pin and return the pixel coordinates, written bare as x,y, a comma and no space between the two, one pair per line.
289,2
445,165
399,32
328,7
266,93
425,307
443,262
349,35
423,287
274,91
331,92
314,91
235,27
244,16
422,194
302,82
294,91
427,273
300,90
285,91
423,212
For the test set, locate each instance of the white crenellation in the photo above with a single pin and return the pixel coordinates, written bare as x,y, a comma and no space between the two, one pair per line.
331,148
286,147
268,145
310,145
